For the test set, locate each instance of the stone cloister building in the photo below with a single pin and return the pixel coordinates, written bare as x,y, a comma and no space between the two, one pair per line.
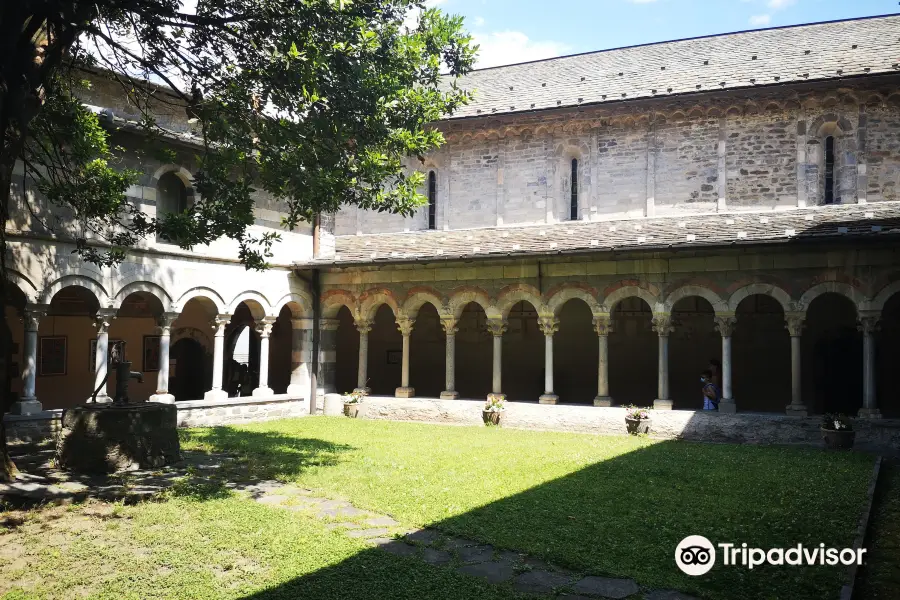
598,228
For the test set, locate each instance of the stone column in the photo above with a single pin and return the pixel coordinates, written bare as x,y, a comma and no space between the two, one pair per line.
102,321
548,326
603,327
450,328
326,380
364,326
164,327
218,324
794,324
301,357
264,329
28,404
497,327
405,325
662,325
725,324
868,325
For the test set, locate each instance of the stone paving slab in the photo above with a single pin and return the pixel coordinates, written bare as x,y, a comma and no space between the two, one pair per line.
540,582
606,587
436,557
397,547
476,554
668,595
492,572
368,533
423,536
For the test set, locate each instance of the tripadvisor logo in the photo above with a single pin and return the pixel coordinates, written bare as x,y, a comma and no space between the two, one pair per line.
695,555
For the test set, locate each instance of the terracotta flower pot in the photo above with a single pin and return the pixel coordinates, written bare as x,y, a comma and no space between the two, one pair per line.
838,440
491,417
636,426
351,410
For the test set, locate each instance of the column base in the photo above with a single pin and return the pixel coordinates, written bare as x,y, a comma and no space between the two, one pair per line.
215,395
101,399
263,391
605,401
163,398
448,395
26,406
728,407
297,390
360,390
796,410
404,392
662,405
869,413
548,399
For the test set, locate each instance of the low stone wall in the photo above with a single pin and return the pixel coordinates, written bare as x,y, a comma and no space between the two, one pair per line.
191,413
742,428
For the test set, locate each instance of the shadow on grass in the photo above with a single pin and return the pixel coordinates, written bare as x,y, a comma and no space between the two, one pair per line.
624,517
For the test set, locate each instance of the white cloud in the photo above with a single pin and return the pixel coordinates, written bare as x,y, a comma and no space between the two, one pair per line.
779,4
760,20
478,21
508,47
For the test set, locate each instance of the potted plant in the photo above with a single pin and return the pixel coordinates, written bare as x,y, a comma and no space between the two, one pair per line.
637,419
837,431
352,400
493,408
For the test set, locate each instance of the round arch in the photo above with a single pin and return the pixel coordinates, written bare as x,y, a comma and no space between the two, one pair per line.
762,289
561,296
333,300
462,297
520,293
837,287
299,304
77,280
201,292
417,299
882,297
373,299
258,304
149,287
630,291
687,291
32,295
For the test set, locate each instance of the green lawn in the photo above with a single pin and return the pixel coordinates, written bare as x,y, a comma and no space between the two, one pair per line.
201,547
602,505
881,576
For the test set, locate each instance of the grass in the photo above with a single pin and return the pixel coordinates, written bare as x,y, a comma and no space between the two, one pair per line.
881,575
603,505
197,547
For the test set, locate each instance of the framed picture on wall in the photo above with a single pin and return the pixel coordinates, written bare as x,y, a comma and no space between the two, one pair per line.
52,358
92,353
151,353
394,357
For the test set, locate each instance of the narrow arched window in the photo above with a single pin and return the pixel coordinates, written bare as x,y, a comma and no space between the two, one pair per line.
573,208
432,200
829,170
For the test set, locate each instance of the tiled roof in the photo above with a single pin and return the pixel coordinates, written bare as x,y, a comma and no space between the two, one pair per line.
856,222
749,59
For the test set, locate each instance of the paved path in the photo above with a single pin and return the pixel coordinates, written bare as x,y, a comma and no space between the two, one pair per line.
41,482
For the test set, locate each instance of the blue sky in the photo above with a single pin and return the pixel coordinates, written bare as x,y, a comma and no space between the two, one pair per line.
519,30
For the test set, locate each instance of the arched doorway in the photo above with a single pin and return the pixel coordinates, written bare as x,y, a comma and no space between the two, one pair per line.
692,345
347,352
887,350
385,359
761,356
633,349
427,359
832,356
66,349
474,353
280,348
575,354
189,374
12,346
135,325
241,368
523,354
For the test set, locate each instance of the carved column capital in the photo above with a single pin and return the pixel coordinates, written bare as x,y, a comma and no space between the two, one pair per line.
219,322
725,324
548,325
869,322
662,324
794,323
450,325
405,326
165,321
603,325
264,327
363,325
496,327
103,319
33,315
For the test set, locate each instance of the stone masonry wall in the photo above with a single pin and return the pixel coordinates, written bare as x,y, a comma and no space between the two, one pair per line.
738,151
